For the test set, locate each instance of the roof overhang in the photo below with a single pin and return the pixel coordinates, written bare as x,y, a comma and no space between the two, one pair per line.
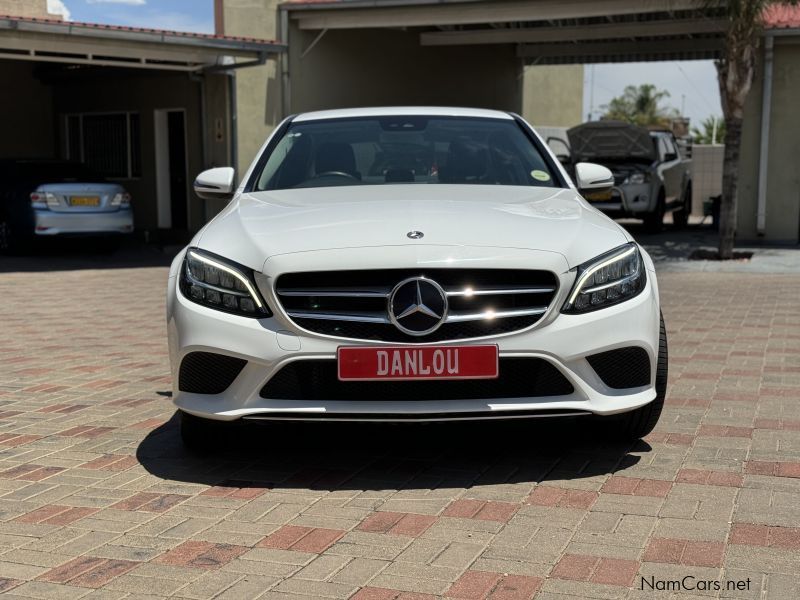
355,14
83,43
786,32
543,31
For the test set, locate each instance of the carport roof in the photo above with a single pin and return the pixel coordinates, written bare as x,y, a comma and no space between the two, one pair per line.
542,31
48,40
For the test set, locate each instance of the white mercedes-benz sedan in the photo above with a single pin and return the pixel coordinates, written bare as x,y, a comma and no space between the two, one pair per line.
412,264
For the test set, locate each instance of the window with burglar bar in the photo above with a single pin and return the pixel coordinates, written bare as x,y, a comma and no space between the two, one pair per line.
109,143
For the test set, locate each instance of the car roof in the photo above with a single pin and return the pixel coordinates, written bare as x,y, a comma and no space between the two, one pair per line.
392,111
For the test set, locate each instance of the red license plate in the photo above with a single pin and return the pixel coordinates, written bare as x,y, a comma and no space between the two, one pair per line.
417,362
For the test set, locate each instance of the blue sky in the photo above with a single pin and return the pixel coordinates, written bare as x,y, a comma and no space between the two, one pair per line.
692,84
180,15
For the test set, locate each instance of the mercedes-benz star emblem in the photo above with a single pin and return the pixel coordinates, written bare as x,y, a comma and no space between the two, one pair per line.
415,235
417,306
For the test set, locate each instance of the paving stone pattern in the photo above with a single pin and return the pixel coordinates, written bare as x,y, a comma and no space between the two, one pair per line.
99,500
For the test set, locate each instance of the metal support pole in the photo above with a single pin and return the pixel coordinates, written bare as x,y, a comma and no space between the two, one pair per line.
763,161
286,97
234,135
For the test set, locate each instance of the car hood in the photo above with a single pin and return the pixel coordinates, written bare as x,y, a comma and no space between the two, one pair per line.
610,140
257,226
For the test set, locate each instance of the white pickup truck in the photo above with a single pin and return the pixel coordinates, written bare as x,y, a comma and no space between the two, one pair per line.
651,176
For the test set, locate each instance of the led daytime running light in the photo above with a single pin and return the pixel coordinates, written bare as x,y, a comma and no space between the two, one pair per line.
577,289
609,279
218,265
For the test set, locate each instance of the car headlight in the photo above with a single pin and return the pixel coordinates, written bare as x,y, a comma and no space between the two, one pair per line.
637,178
609,279
218,283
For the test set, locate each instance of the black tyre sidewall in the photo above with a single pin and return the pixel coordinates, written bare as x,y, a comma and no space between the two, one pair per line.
654,222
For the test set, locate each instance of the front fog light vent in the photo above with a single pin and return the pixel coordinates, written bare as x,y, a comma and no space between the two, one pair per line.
208,373
623,368
212,281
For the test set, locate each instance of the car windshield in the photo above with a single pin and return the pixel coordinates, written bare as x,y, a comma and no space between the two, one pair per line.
404,150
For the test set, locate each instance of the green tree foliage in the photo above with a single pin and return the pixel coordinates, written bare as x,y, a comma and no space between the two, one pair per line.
706,135
641,105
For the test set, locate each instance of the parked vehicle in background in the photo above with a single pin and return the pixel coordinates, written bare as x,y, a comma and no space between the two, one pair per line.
50,198
651,175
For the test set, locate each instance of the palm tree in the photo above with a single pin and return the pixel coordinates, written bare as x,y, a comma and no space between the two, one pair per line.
712,132
735,70
640,105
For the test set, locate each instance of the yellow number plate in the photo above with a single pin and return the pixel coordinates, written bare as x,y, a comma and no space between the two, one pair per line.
598,196
84,201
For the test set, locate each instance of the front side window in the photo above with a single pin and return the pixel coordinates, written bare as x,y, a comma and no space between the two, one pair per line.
404,150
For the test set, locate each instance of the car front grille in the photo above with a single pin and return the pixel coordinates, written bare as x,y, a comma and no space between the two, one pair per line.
318,380
354,304
208,373
622,368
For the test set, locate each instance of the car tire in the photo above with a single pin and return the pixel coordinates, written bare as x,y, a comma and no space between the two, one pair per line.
654,222
680,218
638,423
199,435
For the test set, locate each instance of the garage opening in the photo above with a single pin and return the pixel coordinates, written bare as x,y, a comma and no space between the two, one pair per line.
143,109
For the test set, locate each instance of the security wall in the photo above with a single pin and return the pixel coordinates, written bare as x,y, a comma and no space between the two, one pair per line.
783,171
706,174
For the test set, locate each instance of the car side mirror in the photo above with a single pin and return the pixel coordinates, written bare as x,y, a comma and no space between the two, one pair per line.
592,177
670,156
216,184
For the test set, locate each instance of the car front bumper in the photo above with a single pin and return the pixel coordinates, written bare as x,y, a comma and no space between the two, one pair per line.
269,344
51,223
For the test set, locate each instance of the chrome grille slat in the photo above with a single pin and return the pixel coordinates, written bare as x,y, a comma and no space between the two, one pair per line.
502,314
355,317
384,293
337,293
500,291
354,304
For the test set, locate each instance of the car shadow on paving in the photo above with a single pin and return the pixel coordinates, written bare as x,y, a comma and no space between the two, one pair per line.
371,456
86,254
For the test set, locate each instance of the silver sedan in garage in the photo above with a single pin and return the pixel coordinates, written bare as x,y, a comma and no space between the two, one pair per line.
51,198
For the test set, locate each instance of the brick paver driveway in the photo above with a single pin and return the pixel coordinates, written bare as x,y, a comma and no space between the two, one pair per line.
98,499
